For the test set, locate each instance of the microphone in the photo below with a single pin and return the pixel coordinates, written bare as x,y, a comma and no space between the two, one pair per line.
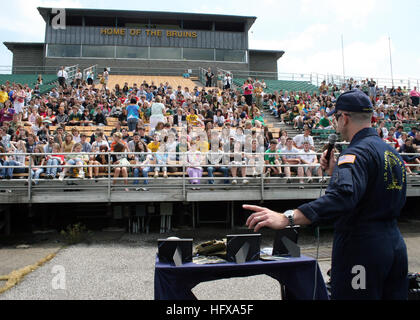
332,139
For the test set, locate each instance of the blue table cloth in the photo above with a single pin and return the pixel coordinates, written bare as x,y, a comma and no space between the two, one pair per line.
296,274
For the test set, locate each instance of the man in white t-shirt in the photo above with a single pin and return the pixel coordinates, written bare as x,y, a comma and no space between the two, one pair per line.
301,138
309,157
62,77
291,155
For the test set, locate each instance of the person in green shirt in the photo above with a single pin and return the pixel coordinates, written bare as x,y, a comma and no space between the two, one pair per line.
75,117
324,121
272,160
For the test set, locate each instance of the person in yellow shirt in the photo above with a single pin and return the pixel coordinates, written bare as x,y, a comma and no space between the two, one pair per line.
193,119
3,96
301,105
155,144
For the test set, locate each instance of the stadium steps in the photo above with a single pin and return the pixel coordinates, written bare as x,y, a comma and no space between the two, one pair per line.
173,81
49,80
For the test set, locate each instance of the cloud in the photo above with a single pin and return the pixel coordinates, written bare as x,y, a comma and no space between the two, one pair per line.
294,42
356,12
364,59
29,25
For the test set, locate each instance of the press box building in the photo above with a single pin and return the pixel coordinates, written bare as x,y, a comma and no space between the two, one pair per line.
122,39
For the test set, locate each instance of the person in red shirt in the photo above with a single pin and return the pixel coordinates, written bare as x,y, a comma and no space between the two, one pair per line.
391,137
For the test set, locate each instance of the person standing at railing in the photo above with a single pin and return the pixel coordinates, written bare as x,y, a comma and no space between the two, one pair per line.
247,91
415,96
78,78
89,77
227,81
209,78
62,77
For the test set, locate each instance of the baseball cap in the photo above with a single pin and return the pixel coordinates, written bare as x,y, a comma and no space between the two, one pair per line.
353,101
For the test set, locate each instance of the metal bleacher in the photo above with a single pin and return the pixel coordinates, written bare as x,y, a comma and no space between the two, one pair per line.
285,85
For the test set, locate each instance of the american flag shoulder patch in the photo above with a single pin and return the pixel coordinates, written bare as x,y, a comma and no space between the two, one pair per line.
348,158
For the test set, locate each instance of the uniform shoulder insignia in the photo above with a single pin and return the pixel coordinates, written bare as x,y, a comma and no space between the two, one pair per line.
347,159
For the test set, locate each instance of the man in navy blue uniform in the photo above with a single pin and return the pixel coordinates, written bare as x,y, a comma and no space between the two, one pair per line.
364,198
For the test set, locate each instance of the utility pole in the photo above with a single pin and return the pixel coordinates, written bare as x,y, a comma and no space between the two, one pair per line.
390,60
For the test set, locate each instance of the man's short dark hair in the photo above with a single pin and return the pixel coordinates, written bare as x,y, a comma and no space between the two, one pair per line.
133,101
274,141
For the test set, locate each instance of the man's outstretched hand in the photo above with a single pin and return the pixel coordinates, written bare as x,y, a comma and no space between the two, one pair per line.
263,217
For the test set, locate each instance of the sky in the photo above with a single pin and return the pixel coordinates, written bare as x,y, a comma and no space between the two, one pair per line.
309,31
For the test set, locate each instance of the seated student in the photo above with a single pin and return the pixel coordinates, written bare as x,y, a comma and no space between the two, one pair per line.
408,148
272,160
309,157
180,119
143,159
237,161
120,158
14,160
291,156
77,158
161,159
100,159
37,163
118,138
254,157
99,142
99,119
193,163
75,117
68,144
86,119
54,160
215,162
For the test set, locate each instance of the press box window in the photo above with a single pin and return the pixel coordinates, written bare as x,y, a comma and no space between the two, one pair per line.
63,51
198,54
98,51
133,52
231,55
165,53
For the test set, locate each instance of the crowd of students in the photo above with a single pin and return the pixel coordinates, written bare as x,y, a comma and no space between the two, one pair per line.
165,129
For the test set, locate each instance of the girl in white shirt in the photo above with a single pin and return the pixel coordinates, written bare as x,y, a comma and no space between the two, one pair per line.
194,159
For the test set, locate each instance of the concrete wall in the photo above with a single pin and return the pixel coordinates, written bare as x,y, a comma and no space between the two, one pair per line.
122,66
262,61
27,56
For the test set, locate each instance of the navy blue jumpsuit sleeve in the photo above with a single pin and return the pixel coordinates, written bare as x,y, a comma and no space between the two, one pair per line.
347,187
